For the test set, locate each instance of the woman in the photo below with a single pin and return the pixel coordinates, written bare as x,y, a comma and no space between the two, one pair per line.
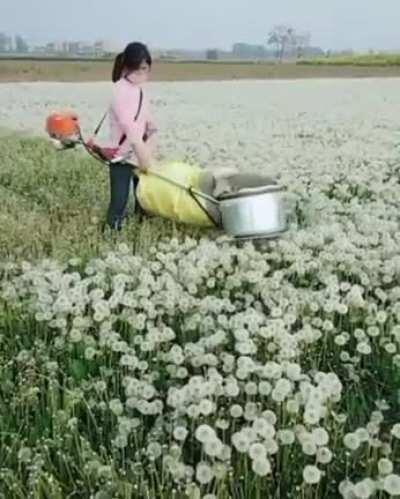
131,127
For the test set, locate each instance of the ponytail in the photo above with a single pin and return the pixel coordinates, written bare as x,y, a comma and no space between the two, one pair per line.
118,67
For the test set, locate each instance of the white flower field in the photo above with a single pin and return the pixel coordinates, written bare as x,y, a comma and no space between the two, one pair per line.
171,362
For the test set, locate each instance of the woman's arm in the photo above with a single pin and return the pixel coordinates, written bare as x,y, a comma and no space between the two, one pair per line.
143,154
151,136
151,127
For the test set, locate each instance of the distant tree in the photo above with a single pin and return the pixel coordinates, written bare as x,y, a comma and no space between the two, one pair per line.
20,45
212,55
282,37
302,43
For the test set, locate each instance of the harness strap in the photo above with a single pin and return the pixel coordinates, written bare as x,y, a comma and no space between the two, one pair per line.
123,138
100,124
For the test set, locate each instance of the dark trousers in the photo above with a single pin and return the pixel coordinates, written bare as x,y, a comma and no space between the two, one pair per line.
121,177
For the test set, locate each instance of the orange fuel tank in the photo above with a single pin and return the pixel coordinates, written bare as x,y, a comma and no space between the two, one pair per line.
62,125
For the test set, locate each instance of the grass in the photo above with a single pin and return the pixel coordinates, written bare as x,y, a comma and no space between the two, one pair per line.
100,70
368,60
54,204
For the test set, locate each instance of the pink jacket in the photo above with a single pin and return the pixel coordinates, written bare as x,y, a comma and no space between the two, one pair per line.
123,109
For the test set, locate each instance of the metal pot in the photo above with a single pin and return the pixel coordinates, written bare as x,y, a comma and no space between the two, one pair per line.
254,213
250,213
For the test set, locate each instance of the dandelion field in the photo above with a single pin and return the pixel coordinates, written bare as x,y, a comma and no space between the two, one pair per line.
173,363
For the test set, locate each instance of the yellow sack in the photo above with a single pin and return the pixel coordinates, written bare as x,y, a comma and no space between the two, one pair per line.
163,199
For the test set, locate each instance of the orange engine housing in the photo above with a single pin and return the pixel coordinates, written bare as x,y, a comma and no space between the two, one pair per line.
62,125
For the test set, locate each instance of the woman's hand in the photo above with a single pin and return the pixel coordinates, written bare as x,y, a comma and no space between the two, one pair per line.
151,130
143,169
143,154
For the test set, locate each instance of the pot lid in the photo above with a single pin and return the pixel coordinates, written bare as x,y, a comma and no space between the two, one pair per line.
251,191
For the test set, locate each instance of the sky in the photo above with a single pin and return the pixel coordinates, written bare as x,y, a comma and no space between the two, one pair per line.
200,24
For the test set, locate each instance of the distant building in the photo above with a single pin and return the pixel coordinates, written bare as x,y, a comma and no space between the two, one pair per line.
73,48
103,47
248,51
99,48
86,49
51,48
21,45
18,44
6,43
212,55
179,54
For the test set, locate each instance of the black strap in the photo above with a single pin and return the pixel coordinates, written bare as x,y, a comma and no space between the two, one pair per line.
123,138
100,124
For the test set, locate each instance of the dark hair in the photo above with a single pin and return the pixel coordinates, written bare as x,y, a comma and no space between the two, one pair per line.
131,58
